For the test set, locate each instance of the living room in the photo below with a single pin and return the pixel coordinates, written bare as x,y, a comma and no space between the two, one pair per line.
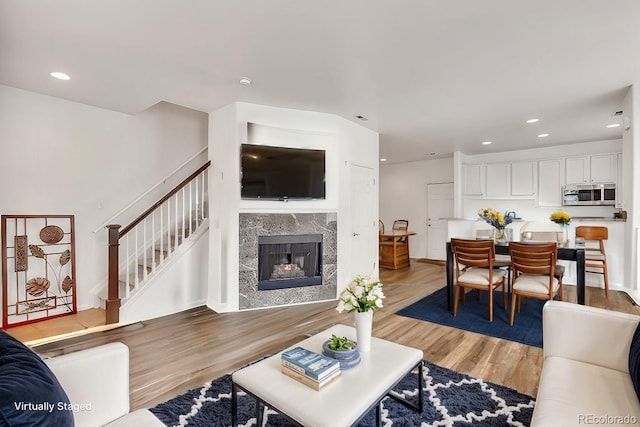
65,152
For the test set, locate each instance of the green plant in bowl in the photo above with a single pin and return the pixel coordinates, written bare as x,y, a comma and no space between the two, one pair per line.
337,343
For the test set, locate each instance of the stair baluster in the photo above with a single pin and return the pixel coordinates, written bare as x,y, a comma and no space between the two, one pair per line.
184,215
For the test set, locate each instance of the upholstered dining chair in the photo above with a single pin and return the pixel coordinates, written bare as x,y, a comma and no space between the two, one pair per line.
595,257
380,227
533,266
538,232
474,269
482,230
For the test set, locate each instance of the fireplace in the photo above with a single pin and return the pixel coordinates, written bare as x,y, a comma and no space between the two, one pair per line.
289,261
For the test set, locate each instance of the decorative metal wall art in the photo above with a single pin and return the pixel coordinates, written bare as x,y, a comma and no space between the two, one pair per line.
38,270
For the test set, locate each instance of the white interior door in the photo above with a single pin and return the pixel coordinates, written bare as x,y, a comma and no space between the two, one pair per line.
364,222
439,206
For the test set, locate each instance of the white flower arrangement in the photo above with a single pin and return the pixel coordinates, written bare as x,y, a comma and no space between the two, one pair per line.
363,294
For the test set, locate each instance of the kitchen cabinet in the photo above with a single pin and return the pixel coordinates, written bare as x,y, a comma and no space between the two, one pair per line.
473,179
497,179
591,169
500,180
604,168
577,170
550,174
523,179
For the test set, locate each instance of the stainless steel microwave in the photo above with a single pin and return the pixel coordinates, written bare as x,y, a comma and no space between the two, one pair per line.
589,194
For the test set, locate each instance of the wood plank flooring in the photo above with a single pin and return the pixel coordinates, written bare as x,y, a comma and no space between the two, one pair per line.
172,354
60,327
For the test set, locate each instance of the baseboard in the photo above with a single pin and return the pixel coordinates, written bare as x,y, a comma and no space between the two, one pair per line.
430,261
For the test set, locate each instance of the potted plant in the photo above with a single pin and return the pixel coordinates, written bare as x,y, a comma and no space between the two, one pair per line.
342,349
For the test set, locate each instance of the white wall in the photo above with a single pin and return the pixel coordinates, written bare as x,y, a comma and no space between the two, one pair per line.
345,143
631,188
403,195
61,157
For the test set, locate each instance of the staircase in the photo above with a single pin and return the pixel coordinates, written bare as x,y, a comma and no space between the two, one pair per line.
135,274
142,249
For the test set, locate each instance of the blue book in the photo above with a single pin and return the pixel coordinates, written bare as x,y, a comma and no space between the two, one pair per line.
309,363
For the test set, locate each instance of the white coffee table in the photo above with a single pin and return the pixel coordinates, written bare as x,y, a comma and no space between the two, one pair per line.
345,400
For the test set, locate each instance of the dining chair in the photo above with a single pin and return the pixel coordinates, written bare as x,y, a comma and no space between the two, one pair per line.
380,227
595,256
474,269
483,230
549,237
538,232
533,266
401,225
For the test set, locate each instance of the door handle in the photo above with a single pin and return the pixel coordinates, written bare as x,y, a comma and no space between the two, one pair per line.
355,234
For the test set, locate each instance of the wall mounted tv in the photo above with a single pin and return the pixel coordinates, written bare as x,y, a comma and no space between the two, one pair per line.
279,173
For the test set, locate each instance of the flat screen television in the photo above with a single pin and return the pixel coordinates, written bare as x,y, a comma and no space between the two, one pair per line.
280,173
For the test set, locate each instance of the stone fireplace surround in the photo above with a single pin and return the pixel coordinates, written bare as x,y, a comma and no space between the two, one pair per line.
253,225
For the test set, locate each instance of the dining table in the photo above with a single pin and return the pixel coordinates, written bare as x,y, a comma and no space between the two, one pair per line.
570,252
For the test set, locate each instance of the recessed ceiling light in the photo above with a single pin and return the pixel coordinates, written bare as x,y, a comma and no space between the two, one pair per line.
613,125
60,76
486,142
533,120
383,160
245,81
543,135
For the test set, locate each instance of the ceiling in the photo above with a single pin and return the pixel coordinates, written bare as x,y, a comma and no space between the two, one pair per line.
431,76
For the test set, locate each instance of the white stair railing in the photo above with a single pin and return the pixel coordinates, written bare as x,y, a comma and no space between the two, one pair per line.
147,243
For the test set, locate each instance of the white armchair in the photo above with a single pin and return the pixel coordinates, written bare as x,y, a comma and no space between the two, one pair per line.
585,376
96,381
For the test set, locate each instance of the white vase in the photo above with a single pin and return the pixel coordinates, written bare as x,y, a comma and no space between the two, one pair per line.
363,322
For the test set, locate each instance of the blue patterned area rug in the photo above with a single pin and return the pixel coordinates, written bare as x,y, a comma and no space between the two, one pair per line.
474,316
450,399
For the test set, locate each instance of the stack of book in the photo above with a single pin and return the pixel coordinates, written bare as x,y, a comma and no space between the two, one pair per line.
310,368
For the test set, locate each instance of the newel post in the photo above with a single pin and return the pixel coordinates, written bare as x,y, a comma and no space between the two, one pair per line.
113,299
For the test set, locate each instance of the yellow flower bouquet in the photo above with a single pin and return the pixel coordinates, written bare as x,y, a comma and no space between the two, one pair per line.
560,217
495,218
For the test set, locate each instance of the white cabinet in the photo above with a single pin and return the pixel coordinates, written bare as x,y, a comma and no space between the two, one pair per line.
577,170
497,180
500,180
523,178
604,168
550,173
589,169
473,179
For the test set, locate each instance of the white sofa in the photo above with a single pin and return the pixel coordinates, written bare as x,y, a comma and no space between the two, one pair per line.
96,381
585,376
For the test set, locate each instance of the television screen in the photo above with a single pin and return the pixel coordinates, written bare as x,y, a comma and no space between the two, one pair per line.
280,173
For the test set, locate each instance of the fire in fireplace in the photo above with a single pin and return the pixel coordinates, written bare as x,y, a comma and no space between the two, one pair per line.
289,261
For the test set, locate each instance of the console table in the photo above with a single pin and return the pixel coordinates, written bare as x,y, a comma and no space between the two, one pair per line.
573,253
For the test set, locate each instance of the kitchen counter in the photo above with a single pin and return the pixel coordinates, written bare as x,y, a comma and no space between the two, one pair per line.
597,218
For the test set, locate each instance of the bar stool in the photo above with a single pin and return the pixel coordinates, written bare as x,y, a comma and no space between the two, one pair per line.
595,256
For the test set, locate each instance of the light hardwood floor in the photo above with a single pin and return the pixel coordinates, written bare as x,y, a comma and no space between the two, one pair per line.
172,354
61,327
